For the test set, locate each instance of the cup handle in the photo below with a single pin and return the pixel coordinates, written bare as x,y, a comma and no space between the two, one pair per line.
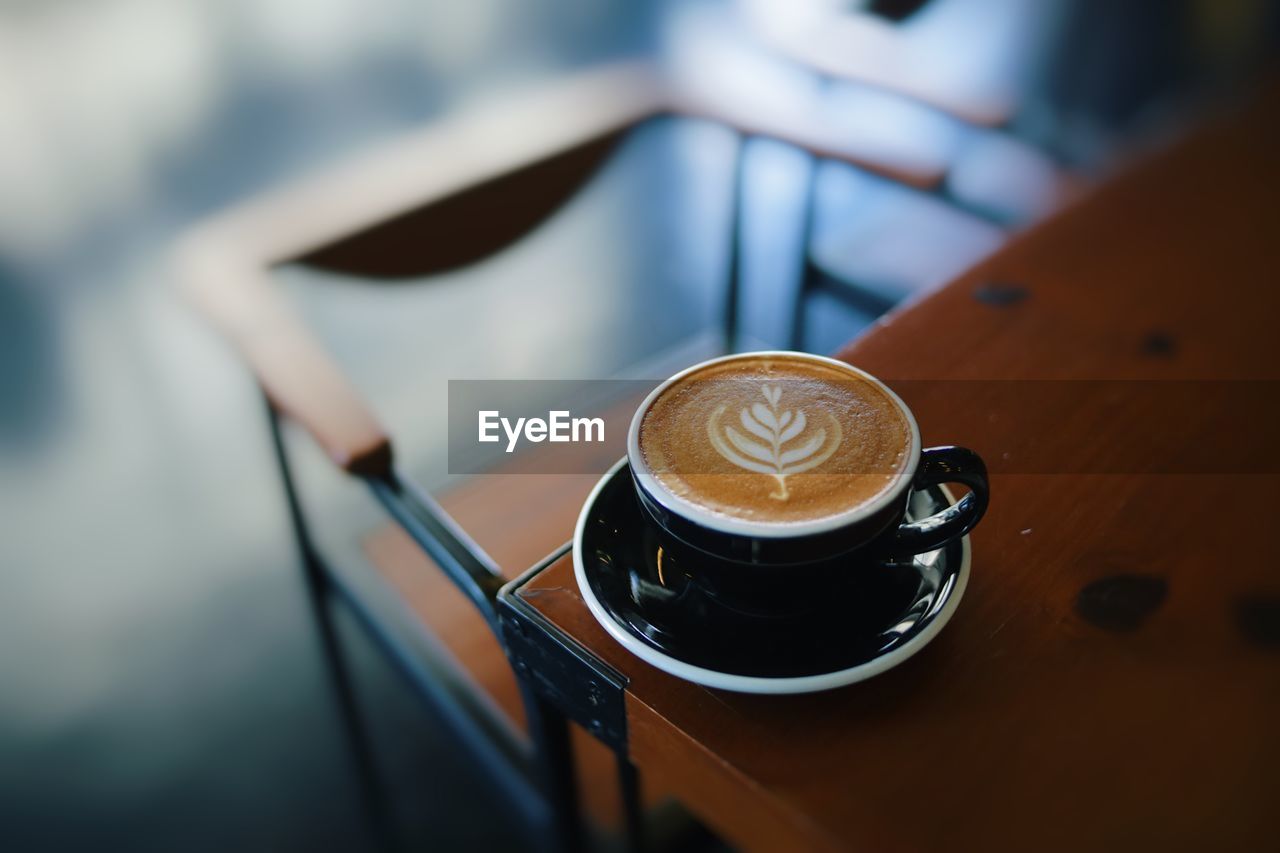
944,465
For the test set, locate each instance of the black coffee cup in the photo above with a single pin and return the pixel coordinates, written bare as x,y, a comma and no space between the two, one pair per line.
766,567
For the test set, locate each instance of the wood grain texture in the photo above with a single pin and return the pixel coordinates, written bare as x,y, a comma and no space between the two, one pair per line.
1027,725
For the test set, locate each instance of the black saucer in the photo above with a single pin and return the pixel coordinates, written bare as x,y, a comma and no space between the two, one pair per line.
885,611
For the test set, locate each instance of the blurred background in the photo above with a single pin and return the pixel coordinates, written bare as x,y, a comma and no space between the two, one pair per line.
161,684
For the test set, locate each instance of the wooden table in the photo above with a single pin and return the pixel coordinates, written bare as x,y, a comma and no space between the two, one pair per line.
1112,677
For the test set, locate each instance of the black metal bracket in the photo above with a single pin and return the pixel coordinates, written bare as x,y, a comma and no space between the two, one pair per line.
560,669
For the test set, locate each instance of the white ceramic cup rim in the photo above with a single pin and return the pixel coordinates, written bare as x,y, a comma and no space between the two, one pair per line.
768,529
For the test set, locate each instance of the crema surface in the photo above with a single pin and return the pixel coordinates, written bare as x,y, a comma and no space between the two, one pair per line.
776,440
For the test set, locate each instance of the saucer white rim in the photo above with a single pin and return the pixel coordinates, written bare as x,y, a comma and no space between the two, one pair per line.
751,683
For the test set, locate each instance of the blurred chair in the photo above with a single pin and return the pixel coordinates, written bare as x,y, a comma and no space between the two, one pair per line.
973,59
31,381
459,193
891,242
971,64
1008,181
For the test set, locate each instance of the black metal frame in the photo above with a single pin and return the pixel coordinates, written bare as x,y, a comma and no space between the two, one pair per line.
566,681
538,781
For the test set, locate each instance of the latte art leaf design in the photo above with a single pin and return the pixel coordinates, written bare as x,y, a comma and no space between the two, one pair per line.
764,447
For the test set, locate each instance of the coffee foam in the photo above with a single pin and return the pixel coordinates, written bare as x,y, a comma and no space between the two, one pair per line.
776,439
